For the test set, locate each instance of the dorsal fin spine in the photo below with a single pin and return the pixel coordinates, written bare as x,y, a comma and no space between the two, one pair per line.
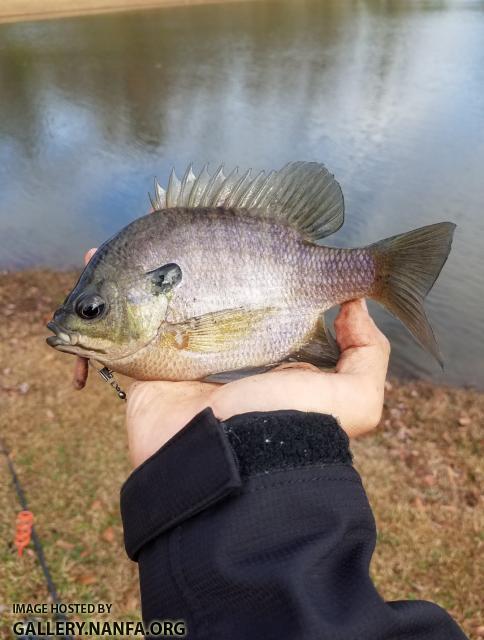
219,197
217,176
188,178
173,189
250,189
197,187
265,188
232,199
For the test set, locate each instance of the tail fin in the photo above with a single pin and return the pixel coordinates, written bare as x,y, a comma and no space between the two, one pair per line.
409,264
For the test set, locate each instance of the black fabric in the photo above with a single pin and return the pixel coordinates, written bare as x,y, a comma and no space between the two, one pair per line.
285,439
282,553
193,470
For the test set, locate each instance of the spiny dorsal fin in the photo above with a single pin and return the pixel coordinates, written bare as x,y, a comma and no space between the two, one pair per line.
302,194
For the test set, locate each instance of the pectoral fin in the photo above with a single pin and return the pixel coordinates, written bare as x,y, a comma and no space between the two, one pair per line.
215,332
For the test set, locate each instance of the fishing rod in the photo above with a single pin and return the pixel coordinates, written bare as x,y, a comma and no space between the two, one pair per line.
39,550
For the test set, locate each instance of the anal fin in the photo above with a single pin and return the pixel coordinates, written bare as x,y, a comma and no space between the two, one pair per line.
322,351
230,376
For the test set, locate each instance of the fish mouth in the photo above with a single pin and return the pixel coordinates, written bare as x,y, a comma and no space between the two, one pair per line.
61,337
69,342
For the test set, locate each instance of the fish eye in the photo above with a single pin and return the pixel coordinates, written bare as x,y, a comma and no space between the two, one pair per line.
90,307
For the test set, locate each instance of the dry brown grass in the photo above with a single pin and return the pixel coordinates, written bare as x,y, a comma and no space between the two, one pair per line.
422,470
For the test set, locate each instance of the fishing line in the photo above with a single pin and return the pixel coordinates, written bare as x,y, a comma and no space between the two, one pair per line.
39,550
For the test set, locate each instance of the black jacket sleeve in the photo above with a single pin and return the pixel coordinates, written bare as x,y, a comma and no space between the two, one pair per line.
259,528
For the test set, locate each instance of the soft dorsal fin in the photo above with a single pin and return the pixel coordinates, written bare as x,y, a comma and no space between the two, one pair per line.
303,195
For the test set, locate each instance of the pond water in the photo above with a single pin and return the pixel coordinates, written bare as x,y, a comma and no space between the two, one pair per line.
390,95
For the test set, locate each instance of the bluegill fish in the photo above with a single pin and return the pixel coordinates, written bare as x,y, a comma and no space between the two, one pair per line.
227,277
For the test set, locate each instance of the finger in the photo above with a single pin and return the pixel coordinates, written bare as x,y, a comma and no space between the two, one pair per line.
88,255
364,347
306,366
81,366
354,325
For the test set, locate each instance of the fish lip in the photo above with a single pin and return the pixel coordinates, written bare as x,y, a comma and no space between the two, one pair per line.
54,341
68,342
61,337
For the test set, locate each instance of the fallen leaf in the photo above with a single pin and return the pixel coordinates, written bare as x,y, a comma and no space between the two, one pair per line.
87,579
108,535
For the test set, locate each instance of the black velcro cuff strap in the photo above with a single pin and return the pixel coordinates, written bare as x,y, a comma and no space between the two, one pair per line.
192,471
281,440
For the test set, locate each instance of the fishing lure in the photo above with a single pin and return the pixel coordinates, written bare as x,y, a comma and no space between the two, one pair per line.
107,375
23,532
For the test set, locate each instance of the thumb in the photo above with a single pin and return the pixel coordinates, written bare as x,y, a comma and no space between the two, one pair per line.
364,348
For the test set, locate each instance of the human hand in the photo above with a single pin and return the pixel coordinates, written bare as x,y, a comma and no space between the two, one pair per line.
353,394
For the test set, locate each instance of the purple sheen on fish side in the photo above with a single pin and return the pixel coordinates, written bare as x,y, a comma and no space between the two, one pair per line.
346,273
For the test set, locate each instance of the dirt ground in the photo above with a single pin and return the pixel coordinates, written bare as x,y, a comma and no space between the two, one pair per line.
16,10
422,469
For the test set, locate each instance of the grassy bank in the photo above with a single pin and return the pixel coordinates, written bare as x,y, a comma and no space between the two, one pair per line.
422,470
19,10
